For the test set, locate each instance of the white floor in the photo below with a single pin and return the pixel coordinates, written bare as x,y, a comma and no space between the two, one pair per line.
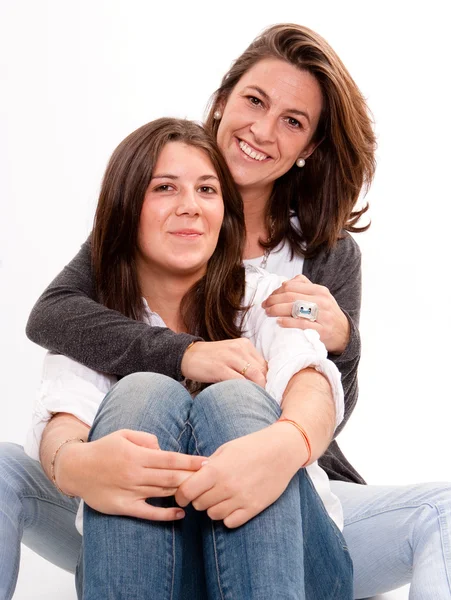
39,580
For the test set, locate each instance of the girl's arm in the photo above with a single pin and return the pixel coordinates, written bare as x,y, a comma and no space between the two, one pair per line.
115,474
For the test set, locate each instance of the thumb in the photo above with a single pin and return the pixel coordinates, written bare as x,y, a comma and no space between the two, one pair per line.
141,438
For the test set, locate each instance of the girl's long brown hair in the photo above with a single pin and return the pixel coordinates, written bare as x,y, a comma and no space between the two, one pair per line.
211,307
324,193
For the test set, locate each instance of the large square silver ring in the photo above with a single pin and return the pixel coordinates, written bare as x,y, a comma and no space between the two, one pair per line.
302,309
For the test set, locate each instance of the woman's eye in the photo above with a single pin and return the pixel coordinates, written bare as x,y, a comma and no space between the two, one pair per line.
255,101
292,122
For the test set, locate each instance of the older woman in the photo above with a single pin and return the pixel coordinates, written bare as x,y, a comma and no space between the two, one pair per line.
296,135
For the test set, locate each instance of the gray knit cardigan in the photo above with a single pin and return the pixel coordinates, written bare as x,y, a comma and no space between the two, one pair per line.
66,319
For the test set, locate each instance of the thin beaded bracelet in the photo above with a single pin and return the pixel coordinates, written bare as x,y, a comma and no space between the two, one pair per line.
304,435
52,464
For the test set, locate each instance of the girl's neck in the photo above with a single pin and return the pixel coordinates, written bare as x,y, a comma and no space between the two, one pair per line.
255,205
164,294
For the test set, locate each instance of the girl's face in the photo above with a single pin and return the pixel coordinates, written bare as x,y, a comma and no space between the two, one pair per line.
182,213
268,122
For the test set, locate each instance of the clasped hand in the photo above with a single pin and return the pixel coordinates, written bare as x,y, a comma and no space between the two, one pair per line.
117,473
244,476
332,324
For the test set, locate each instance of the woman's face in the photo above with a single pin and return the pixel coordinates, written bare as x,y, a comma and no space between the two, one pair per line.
268,122
182,213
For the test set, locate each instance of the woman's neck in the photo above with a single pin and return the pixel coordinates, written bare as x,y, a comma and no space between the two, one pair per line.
255,203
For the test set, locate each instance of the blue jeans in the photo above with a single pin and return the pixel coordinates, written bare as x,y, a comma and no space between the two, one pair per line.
396,534
198,558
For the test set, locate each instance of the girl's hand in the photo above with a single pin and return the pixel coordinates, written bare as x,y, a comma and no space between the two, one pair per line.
117,473
332,324
245,476
211,362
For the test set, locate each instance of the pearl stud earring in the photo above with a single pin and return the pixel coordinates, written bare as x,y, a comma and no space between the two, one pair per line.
300,163
217,115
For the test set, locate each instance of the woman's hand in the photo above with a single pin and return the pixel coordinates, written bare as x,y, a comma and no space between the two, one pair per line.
331,324
211,362
245,476
117,473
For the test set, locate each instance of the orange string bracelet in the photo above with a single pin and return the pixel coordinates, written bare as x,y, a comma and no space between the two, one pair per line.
304,435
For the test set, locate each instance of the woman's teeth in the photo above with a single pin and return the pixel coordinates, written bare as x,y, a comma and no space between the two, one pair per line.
251,152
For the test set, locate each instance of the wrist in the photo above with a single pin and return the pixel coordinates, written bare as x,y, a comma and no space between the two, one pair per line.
291,444
185,359
67,470
343,342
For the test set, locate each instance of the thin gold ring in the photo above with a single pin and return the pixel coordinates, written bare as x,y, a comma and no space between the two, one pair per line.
243,372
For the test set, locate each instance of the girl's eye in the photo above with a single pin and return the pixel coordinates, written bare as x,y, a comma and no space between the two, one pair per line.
206,189
165,187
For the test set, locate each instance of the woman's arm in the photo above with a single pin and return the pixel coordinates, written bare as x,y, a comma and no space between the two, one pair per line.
68,320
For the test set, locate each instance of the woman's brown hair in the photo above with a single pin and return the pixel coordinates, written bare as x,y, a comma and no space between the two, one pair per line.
324,193
210,308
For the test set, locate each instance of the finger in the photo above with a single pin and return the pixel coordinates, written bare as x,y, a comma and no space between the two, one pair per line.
165,478
196,485
212,497
252,355
302,278
296,292
142,510
164,459
255,375
280,310
152,491
220,511
290,323
237,518
141,438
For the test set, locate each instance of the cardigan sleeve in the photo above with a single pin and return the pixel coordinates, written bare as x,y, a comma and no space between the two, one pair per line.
68,320
339,270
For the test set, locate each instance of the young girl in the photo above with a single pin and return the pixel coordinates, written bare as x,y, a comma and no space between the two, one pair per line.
167,245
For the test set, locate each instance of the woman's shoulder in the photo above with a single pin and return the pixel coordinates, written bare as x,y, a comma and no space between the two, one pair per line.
344,257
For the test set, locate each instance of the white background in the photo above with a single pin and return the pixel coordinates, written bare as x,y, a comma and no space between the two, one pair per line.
78,77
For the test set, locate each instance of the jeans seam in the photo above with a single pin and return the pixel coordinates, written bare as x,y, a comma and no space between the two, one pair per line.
173,561
218,575
338,534
49,500
373,513
443,538
194,438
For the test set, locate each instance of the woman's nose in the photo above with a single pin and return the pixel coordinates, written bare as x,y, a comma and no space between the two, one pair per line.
264,129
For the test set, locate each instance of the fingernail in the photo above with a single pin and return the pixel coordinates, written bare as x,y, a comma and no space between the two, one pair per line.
179,514
205,462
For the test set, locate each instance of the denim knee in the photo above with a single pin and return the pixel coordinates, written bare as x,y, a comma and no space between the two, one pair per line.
236,398
146,402
10,455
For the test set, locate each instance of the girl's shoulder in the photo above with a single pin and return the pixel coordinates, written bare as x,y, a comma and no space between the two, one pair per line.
260,284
